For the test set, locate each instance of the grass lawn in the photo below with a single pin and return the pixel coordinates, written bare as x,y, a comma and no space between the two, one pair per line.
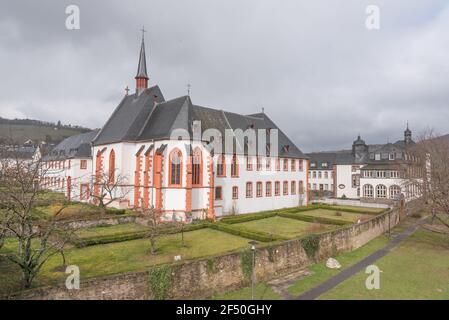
110,230
417,269
125,256
74,210
321,273
285,227
344,216
262,292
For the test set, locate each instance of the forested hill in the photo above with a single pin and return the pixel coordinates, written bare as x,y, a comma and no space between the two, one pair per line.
22,130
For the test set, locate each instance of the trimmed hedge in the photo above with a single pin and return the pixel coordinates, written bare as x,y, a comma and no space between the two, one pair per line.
133,235
245,233
91,241
314,219
248,217
350,210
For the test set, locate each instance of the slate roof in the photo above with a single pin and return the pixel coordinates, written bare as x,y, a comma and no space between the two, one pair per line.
128,119
139,118
78,146
17,151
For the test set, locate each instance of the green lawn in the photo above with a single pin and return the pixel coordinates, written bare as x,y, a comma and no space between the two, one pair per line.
262,292
321,273
337,215
417,269
284,227
126,256
109,230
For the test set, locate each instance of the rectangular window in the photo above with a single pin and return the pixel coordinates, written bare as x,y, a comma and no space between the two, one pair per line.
293,187
249,189
249,164
293,165
234,166
235,192
218,193
285,164
319,174
278,164
314,174
268,189
301,187
83,164
300,165
277,188
259,163
285,188
84,191
221,166
259,189
268,164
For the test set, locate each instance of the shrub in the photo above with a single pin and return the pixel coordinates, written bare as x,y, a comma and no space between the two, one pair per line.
245,233
338,213
248,217
314,219
311,244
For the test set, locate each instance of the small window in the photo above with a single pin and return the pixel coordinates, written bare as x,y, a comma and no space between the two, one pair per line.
278,164
324,164
293,165
268,189
313,165
235,192
377,156
83,164
249,164
268,164
285,188
391,156
300,165
293,187
218,193
277,188
259,163
249,189
259,189
285,164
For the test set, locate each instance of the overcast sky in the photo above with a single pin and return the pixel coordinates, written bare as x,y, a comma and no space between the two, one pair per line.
320,74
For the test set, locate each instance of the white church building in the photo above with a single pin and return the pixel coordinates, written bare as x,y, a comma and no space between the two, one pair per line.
166,155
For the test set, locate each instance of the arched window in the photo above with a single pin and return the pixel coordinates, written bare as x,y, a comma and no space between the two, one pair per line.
234,166
368,191
395,191
381,191
112,166
221,166
197,167
175,168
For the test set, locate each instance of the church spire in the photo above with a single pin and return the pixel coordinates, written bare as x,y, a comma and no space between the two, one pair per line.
142,76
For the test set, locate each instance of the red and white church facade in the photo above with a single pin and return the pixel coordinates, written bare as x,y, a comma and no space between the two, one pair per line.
163,154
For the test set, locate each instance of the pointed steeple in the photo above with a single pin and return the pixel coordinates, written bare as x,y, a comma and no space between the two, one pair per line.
142,76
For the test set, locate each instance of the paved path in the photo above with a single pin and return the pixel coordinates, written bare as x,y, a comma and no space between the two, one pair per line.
361,265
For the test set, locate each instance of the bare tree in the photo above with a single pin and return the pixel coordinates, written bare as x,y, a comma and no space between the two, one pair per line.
38,238
108,189
433,176
155,226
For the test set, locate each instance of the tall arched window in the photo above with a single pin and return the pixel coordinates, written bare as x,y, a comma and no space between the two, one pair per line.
197,167
221,166
175,168
381,191
112,166
234,166
368,191
394,192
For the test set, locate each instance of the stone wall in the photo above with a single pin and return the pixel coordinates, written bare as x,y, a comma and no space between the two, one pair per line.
103,221
205,277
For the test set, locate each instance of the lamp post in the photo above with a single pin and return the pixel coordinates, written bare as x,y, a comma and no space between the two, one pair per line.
253,265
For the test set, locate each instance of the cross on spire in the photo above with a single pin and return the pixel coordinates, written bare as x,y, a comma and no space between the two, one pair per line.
188,89
127,90
143,31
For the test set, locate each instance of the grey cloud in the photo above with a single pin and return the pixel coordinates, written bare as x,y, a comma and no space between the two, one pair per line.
313,66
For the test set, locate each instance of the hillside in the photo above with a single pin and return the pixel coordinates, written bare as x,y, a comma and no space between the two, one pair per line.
21,130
